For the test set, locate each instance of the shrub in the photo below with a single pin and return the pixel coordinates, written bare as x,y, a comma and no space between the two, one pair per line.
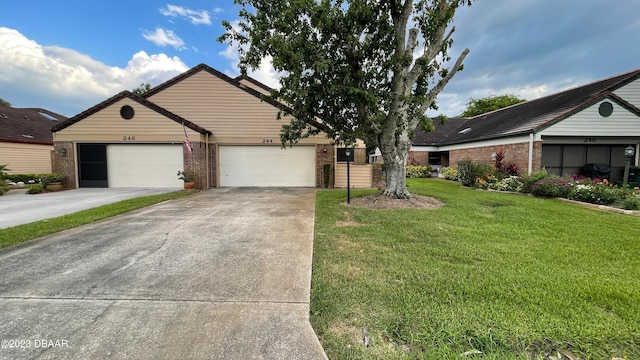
449,173
35,189
511,183
469,171
25,178
504,170
414,172
530,179
551,187
631,203
598,193
47,179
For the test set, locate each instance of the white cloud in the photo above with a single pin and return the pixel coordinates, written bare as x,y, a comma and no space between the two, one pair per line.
163,38
68,82
266,74
196,17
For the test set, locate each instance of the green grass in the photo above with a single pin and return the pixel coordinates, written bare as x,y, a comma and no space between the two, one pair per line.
510,275
17,234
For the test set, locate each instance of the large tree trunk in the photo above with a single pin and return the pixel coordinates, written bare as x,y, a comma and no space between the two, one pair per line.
396,183
394,145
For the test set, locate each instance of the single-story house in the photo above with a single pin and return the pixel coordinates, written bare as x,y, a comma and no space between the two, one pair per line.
564,132
221,128
26,141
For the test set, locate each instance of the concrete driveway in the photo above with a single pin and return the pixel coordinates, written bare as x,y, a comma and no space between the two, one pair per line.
223,274
17,207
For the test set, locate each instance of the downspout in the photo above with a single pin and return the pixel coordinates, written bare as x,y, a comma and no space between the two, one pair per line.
530,167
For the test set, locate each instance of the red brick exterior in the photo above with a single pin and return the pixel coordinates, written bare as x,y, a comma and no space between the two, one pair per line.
325,154
418,158
65,165
196,162
376,176
514,153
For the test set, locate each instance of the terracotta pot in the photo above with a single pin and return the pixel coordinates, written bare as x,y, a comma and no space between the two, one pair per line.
189,184
54,186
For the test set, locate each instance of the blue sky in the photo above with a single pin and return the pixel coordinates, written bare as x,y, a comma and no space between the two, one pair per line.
67,56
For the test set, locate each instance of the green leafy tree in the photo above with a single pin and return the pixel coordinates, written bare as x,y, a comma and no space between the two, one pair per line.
143,88
3,102
490,103
353,69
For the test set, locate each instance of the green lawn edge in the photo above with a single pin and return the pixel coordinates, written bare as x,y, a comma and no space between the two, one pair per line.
507,275
25,232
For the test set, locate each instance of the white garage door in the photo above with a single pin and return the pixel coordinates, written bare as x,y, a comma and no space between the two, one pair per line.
267,166
144,165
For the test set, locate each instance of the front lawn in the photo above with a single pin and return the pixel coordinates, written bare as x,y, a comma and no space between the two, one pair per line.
21,233
508,275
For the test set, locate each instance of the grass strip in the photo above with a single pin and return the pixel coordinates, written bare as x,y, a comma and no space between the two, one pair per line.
507,275
21,233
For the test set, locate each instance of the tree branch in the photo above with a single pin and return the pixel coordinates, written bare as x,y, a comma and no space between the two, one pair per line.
433,93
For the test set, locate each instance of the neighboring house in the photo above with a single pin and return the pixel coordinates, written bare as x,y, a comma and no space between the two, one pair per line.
130,140
26,141
562,132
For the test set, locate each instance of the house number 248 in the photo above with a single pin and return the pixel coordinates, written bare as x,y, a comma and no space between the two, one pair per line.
267,141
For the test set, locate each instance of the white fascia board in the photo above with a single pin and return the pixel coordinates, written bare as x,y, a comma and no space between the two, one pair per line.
484,143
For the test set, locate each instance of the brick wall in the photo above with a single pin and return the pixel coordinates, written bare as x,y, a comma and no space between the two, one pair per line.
325,154
213,180
418,158
514,153
376,176
64,165
196,162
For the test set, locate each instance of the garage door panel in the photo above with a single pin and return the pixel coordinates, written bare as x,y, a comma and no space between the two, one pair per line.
144,165
267,166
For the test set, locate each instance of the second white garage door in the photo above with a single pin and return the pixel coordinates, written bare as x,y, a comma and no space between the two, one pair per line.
267,166
144,165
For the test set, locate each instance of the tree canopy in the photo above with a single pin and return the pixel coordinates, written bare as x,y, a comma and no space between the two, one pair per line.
490,103
143,88
353,69
3,102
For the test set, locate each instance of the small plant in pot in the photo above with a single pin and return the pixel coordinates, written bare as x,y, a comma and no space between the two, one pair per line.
188,177
52,182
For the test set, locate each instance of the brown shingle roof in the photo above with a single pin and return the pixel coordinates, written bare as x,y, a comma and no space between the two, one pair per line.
28,125
441,131
140,100
538,114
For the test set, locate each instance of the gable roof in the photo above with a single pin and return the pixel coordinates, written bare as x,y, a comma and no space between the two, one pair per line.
538,114
28,125
254,82
234,82
140,100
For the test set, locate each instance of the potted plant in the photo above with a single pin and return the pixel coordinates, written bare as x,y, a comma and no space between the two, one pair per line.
52,182
188,177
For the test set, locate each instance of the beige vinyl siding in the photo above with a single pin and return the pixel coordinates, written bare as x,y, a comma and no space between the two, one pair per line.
257,88
360,176
108,126
26,158
589,123
233,115
630,92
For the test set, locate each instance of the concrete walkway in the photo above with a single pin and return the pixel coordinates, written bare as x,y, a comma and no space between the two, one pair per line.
17,207
223,274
